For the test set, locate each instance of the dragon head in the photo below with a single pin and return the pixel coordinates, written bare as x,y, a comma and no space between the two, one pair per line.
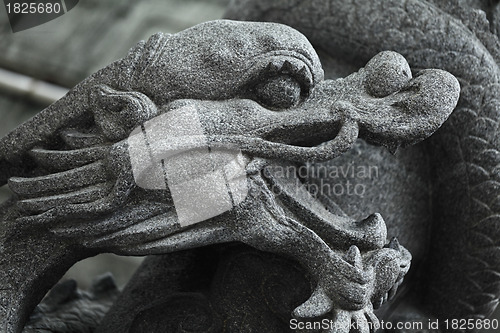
256,88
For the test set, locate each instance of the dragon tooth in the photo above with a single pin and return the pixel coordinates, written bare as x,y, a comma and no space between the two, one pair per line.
353,256
303,71
393,291
287,67
273,67
378,303
373,221
394,244
306,77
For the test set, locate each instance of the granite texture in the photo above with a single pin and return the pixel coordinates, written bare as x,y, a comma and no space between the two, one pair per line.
241,107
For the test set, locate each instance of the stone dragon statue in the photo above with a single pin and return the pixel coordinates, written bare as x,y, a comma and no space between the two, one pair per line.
262,95
259,90
459,272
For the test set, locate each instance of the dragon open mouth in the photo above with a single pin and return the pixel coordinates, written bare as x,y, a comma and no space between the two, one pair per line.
319,213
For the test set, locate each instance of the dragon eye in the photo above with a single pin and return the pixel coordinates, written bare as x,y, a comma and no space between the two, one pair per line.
279,92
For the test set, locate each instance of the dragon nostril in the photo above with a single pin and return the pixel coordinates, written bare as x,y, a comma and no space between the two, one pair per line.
386,73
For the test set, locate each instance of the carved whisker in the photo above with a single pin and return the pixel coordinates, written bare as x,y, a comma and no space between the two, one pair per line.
114,222
59,160
41,204
147,230
62,181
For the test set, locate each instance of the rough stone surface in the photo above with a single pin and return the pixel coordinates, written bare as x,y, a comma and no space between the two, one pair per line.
260,103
